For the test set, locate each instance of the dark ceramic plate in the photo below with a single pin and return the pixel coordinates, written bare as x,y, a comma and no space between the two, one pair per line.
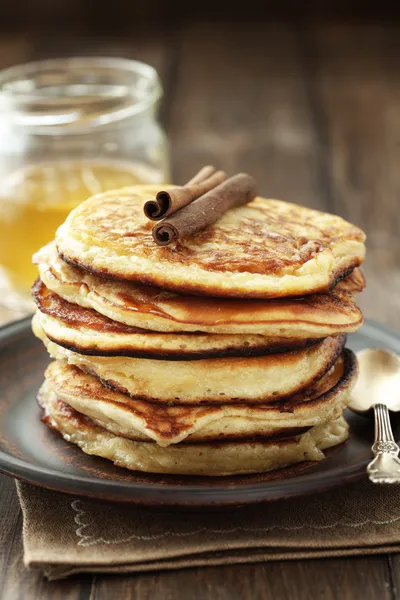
31,452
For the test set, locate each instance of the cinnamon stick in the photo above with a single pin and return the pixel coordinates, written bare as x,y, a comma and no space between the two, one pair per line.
202,175
206,210
168,202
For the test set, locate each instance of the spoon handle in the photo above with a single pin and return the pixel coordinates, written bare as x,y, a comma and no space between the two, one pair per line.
385,467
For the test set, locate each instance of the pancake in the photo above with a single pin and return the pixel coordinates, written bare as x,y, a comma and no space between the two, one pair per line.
315,316
265,249
140,420
85,331
212,459
252,379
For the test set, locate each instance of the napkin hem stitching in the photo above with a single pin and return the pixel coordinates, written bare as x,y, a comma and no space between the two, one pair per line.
86,540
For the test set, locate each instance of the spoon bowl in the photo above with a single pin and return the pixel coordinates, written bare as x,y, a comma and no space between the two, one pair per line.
378,380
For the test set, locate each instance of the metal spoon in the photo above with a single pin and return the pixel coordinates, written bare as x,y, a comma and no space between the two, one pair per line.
378,387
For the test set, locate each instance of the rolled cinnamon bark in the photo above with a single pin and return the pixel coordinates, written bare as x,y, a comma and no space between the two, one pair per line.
206,210
202,175
168,202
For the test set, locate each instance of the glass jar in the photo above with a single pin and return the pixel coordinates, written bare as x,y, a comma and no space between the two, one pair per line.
70,128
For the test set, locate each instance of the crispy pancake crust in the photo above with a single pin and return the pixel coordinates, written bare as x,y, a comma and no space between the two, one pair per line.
140,421
214,380
266,249
313,316
85,331
213,459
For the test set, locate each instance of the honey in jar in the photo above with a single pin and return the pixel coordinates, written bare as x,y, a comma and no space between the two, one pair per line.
36,200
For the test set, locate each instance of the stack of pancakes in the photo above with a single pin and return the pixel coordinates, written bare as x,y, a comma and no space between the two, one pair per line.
220,354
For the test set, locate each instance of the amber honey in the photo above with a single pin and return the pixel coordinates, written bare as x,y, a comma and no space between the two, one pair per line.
36,200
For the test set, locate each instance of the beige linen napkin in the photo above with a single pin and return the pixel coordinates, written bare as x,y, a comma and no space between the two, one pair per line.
65,534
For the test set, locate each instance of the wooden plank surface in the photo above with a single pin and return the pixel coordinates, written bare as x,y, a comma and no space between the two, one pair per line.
241,103
333,579
357,81
313,113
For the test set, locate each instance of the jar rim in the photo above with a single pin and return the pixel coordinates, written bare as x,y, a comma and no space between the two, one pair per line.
15,94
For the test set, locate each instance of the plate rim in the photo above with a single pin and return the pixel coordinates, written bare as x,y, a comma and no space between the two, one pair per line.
170,494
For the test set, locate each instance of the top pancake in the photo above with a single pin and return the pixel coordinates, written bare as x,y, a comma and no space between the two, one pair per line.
266,249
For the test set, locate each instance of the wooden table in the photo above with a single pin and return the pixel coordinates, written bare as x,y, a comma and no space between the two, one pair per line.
313,112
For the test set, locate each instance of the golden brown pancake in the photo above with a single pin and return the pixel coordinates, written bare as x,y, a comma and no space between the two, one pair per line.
265,249
86,331
214,380
140,420
229,458
313,316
